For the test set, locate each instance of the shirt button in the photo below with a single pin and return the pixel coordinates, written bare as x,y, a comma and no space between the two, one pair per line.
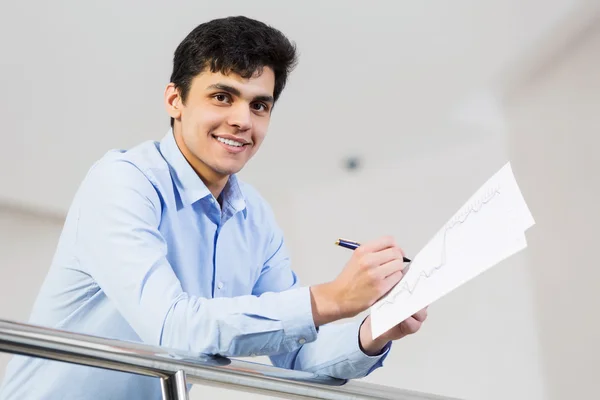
220,285
301,340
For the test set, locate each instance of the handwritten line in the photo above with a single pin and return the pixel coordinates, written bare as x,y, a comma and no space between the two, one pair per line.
456,221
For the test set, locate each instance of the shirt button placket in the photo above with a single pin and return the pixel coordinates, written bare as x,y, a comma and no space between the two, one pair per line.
218,283
217,215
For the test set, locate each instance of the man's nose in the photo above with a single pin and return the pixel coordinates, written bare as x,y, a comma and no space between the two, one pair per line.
241,117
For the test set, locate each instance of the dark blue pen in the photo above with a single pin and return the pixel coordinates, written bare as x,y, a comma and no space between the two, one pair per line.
349,244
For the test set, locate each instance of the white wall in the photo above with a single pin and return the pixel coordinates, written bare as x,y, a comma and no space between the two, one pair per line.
554,119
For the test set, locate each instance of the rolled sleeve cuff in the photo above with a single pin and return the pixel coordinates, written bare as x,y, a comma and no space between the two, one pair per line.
299,326
361,362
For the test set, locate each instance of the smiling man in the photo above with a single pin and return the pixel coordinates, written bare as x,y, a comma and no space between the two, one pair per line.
164,245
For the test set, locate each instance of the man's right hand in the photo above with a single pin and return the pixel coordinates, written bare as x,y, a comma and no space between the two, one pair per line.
372,271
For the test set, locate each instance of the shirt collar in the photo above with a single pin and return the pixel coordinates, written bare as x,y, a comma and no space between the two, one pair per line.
190,186
233,196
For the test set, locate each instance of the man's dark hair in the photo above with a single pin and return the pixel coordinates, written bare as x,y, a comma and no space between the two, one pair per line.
235,44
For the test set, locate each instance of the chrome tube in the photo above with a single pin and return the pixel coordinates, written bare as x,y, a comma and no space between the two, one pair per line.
174,367
174,387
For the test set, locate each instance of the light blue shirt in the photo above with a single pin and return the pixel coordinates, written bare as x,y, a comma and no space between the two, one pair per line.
147,254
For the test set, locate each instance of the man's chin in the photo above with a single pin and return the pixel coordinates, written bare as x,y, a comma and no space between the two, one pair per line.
228,170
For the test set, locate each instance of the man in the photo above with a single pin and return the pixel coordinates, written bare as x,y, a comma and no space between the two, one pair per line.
164,245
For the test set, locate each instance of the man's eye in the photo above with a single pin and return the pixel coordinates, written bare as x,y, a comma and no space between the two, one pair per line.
260,106
221,98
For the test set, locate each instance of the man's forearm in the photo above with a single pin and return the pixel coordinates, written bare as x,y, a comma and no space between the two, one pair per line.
335,353
326,309
368,345
325,306
241,326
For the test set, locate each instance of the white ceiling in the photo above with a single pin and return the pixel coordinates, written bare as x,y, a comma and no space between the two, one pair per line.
377,79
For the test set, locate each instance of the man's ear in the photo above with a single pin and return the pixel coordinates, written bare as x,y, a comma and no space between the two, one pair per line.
173,101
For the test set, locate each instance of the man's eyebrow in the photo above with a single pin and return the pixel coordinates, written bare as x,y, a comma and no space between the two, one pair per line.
266,99
236,92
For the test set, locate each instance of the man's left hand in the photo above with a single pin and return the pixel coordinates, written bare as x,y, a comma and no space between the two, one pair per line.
407,327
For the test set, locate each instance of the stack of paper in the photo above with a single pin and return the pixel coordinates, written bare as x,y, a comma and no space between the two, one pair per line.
487,229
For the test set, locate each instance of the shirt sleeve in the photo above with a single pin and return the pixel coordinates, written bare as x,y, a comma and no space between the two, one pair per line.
336,351
119,245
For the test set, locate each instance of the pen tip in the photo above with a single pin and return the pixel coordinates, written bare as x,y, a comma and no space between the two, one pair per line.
337,242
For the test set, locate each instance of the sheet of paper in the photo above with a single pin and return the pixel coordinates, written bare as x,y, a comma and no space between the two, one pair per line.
487,229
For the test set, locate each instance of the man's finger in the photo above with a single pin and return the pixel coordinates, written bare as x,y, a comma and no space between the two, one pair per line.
387,269
420,315
411,325
390,281
382,257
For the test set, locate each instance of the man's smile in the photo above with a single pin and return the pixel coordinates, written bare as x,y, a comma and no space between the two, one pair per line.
231,143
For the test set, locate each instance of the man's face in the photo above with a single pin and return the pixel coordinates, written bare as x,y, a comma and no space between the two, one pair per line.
224,121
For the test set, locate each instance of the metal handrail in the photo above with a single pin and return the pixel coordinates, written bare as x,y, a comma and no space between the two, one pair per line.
176,368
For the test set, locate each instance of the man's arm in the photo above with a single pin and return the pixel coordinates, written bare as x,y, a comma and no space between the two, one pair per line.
118,243
338,350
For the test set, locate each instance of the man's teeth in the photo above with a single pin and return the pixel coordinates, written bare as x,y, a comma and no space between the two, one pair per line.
230,142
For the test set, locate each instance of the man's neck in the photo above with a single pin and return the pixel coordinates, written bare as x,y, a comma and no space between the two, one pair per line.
213,181
214,184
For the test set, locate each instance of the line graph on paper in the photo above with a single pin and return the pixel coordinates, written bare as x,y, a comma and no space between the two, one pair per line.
462,217
487,229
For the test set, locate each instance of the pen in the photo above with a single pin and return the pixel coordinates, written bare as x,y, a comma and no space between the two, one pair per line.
352,245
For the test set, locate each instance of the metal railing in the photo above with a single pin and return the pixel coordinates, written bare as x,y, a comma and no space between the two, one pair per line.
176,369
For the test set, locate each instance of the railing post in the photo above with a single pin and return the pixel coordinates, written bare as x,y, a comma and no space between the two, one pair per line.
174,387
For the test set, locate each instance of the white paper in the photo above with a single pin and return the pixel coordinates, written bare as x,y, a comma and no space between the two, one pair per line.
487,229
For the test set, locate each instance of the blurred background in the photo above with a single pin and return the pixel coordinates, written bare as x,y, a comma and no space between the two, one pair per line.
397,112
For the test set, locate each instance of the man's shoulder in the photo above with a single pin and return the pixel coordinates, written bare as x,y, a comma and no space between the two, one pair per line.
145,156
140,166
